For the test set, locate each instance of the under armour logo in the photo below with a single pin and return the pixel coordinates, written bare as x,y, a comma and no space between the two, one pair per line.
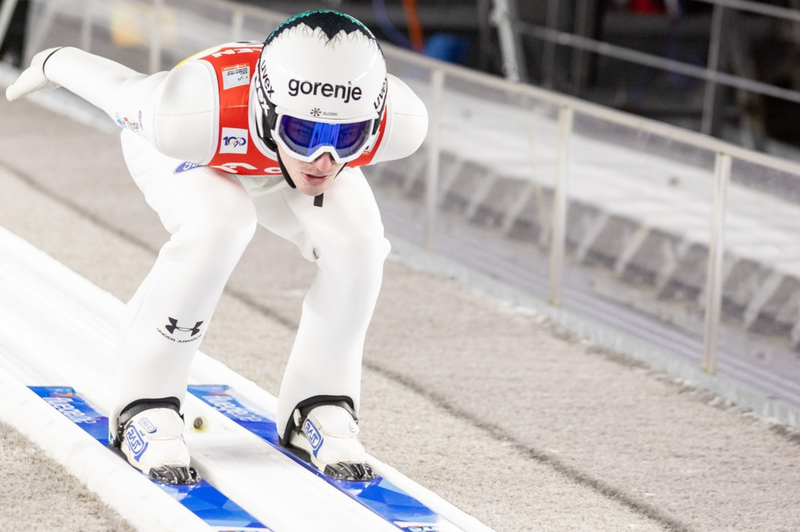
173,326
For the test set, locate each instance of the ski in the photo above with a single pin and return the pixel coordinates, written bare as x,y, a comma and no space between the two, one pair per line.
380,495
202,499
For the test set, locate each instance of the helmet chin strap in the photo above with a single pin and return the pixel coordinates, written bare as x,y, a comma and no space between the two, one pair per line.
266,136
284,171
265,121
317,199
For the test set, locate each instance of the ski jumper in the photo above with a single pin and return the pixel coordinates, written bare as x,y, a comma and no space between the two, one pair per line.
188,141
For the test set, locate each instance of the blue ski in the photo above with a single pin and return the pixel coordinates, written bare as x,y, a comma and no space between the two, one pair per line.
381,496
202,499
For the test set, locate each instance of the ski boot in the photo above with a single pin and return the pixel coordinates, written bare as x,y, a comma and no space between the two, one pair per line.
150,435
326,435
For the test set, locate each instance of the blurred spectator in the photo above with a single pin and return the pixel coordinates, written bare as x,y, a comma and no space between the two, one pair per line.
447,47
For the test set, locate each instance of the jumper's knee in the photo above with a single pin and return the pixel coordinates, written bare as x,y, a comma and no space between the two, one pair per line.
353,271
355,254
221,224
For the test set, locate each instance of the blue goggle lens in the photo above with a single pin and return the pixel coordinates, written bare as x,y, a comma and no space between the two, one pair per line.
304,137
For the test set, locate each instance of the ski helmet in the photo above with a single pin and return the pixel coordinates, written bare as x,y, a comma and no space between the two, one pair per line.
321,86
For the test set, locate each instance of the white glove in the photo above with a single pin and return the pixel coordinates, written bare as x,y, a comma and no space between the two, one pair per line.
32,78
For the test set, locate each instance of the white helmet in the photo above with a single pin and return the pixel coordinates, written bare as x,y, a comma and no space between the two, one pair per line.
322,86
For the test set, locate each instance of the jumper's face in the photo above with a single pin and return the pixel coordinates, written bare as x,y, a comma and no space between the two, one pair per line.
311,178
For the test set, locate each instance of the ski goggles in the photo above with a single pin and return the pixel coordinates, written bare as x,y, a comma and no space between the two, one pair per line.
306,139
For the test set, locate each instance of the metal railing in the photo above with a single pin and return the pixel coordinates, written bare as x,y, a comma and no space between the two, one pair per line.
568,107
511,29
234,26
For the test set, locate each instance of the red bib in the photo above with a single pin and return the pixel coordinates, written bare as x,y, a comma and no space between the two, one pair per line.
236,153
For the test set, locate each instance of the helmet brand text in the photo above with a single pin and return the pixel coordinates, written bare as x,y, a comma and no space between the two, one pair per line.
267,84
381,96
345,92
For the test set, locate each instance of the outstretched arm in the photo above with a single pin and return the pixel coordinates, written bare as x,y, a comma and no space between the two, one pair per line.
33,78
96,79
173,110
407,123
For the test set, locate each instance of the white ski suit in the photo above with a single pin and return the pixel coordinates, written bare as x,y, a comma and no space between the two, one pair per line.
211,185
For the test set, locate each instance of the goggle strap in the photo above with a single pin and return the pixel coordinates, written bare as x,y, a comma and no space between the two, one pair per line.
272,116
